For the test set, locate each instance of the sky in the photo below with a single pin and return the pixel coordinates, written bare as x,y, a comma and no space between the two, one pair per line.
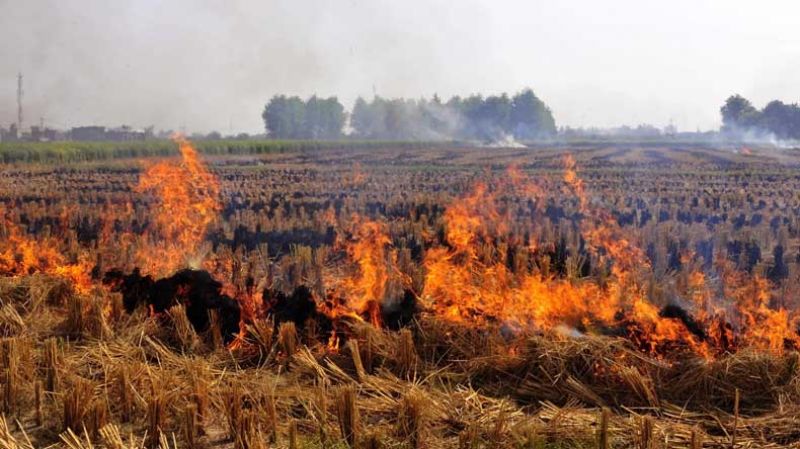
208,65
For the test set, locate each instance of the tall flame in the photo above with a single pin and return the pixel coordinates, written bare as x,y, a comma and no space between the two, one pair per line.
187,201
364,288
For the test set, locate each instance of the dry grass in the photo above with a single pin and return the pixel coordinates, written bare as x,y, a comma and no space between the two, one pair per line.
347,413
429,386
183,332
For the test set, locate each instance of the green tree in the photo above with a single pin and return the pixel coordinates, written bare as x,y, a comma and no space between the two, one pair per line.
332,118
530,117
284,117
782,120
738,114
292,118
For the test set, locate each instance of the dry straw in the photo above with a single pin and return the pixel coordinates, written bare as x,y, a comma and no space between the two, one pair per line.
293,435
287,335
182,330
406,353
411,418
77,404
51,362
155,418
190,426
214,329
348,416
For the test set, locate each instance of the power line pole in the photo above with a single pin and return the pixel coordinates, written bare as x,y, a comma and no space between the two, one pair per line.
19,102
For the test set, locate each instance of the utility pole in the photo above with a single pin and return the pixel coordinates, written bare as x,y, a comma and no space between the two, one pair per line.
19,103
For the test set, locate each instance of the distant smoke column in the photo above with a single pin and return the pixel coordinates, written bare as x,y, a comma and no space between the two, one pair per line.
19,103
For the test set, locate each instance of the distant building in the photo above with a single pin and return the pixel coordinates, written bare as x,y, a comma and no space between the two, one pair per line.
124,133
79,133
101,133
39,134
88,133
9,135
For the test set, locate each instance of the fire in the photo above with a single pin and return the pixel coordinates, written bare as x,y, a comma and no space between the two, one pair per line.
754,321
186,202
357,177
363,292
466,286
21,254
473,277
574,182
469,281
600,230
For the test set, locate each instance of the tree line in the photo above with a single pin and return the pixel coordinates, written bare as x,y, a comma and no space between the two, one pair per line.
292,118
523,116
740,118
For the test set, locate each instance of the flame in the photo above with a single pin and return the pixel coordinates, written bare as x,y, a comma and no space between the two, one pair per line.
333,342
21,254
468,277
187,201
469,280
357,177
471,285
363,292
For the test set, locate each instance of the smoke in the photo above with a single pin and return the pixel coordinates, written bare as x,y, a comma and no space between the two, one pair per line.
757,137
448,120
208,65
506,141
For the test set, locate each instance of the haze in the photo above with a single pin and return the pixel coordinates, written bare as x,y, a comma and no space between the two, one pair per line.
212,65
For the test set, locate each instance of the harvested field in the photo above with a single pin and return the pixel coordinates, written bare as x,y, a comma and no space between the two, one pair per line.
601,296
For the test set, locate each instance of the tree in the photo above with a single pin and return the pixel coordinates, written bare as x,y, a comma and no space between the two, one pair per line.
471,108
777,119
398,119
496,116
782,120
292,118
531,118
438,120
361,118
738,114
284,117
471,118
332,118
313,127
369,119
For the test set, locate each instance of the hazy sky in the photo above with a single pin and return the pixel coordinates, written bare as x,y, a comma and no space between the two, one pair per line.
213,64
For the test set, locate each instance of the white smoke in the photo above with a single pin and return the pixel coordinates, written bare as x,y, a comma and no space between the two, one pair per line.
505,141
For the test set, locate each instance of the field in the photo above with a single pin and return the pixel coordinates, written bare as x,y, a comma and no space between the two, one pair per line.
400,296
77,152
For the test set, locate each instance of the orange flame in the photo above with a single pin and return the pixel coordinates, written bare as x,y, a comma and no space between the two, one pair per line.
21,254
363,292
186,203
470,284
